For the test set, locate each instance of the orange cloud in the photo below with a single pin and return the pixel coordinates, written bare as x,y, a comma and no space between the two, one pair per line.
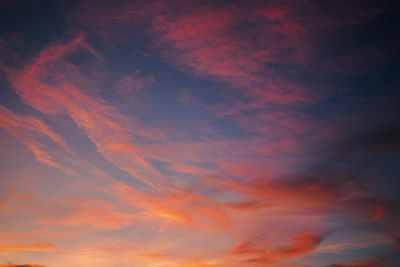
95,217
30,247
179,206
29,130
90,212
46,211
175,261
187,169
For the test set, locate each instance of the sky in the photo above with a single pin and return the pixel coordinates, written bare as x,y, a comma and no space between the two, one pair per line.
202,133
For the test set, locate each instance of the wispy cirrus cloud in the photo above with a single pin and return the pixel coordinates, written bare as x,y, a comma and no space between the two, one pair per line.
131,83
256,163
30,130
93,115
218,50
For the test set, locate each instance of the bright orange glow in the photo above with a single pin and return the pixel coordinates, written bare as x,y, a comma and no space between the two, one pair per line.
30,247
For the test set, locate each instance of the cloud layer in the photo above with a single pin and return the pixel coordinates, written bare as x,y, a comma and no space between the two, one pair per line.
168,133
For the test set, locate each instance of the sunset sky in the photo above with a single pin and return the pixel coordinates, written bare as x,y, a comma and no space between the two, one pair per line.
199,133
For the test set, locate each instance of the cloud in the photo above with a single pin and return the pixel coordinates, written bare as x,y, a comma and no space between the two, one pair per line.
30,131
241,165
300,245
90,212
339,174
353,242
7,45
90,113
43,213
107,129
180,206
369,262
216,49
131,83
29,247
158,258
295,193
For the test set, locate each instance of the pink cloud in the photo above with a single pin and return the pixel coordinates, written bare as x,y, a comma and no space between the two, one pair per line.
131,83
91,113
215,50
203,186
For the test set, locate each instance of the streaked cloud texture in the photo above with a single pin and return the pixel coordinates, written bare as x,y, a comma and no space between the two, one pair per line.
199,133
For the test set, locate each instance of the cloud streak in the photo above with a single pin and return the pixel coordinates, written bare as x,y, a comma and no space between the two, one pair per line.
168,133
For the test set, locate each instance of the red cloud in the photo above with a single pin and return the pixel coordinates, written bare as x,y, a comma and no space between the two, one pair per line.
371,262
210,42
286,195
300,245
378,212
